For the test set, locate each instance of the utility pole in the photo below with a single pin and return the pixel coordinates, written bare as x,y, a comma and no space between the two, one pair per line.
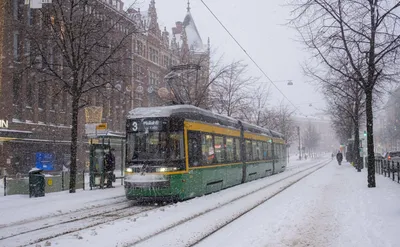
298,133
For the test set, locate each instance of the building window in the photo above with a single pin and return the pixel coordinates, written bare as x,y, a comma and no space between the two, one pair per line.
153,78
139,74
166,61
30,93
27,47
16,88
30,17
16,46
64,101
42,96
15,9
139,48
55,98
153,55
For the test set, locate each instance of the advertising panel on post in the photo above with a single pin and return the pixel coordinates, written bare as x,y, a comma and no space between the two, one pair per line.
45,161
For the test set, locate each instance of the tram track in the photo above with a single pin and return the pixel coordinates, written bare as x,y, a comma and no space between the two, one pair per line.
43,223
73,225
251,208
111,216
183,223
111,202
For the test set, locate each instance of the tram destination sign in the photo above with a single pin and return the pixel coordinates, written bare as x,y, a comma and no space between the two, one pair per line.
152,125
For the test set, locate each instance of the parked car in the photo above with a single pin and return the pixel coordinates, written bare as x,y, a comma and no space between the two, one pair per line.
392,156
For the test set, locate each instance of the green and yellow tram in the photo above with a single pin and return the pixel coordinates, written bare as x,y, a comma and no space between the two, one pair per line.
181,151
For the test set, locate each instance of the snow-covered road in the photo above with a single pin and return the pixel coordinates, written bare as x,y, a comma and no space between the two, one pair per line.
130,230
308,205
332,207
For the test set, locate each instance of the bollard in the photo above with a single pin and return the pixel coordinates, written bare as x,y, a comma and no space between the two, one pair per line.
393,169
384,167
5,185
83,179
398,172
388,169
62,180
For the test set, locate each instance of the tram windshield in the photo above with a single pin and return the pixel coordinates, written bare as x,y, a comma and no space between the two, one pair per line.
153,146
146,146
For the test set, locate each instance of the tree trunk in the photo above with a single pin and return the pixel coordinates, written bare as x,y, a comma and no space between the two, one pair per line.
356,147
74,143
370,139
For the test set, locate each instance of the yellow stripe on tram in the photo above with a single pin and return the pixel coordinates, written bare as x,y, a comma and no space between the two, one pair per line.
209,128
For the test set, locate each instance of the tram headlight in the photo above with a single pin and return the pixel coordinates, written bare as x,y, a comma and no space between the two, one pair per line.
129,170
166,169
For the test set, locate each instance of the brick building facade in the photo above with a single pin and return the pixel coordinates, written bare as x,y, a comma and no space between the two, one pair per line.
37,119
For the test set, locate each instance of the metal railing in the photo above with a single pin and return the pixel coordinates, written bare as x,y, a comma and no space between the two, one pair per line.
389,169
54,182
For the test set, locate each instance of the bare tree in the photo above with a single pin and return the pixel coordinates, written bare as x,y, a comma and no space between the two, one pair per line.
346,98
229,93
364,34
284,122
79,46
311,138
255,107
190,81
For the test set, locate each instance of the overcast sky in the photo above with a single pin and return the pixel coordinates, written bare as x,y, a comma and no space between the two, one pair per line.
259,26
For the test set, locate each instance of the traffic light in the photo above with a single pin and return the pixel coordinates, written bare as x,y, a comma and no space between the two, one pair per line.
365,133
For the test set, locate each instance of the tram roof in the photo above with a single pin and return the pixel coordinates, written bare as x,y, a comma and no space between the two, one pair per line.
199,114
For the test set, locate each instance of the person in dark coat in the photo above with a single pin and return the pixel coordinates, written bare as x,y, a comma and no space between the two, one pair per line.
339,157
110,167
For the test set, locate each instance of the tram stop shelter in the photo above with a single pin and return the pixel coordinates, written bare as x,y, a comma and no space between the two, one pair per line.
102,141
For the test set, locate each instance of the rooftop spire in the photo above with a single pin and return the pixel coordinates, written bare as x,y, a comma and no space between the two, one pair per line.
188,6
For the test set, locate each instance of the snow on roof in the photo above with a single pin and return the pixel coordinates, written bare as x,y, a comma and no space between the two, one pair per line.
194,40
35,170
166,111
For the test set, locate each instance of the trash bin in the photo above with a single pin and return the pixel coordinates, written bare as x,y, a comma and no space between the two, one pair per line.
36,183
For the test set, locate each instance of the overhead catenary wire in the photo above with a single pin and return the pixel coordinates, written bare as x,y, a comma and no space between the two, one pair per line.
250,57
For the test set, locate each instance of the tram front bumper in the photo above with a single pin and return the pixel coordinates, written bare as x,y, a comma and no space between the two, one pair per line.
147,186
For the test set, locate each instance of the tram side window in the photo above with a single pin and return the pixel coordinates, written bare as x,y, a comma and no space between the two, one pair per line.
219,149
230,151
177,149
249,156
237,149
277,152
260,150
265,150
254,149
194,148
269,145
207,149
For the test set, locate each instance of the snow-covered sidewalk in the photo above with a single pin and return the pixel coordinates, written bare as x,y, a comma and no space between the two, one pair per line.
17,208
332,207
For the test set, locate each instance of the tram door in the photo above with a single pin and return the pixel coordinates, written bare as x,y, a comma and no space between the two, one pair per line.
97,154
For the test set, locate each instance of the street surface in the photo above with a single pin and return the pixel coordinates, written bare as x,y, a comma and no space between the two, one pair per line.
313,203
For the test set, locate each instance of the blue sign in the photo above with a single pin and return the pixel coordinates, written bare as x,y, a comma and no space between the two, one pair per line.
45,161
